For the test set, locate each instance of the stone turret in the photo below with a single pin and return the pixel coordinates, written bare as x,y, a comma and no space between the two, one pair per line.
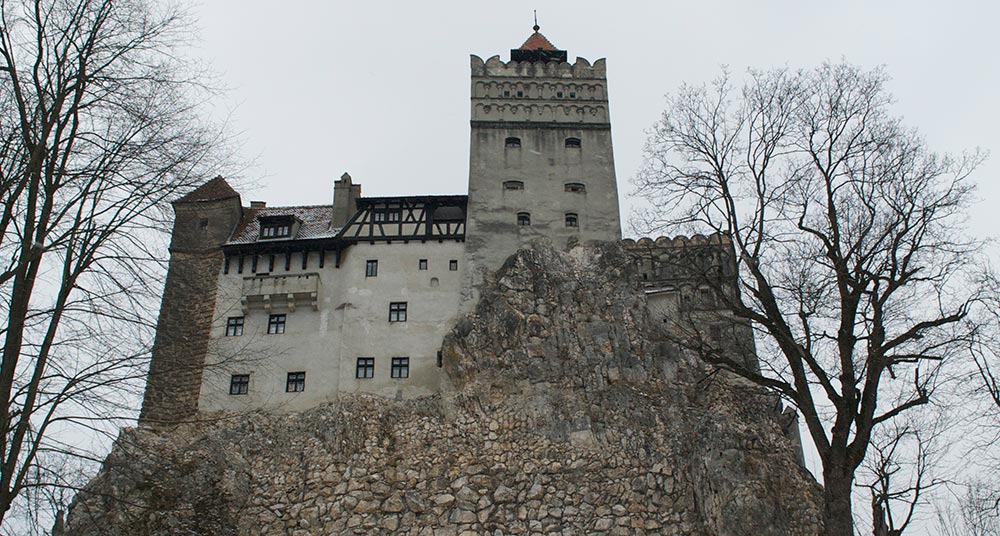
204,220
541,160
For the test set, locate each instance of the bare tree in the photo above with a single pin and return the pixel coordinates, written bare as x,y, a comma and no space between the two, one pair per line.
100,127
847,235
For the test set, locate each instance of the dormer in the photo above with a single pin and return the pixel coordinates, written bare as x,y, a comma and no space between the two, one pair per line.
278,227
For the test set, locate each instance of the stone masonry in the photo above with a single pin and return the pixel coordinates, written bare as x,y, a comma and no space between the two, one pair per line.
562,414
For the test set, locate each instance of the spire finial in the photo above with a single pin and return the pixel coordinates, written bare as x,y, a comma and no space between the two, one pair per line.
536,27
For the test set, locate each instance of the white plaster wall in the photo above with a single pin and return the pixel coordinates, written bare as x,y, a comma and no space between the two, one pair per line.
351,322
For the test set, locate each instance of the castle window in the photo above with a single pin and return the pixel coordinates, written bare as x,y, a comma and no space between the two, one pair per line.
506,93
390,215
715,333
296,382
234,326
453,265
239,384
572,94
520,94
559,94
513,185
203,225
276,324
365,368
400,367
371,268
573,143
397,312
422,264
512,143
279,226
440,359
576,187
523,218
571,220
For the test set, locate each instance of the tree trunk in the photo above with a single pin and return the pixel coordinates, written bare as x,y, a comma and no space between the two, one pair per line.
837,517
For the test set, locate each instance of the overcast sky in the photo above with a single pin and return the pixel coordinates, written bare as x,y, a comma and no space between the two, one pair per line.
381,89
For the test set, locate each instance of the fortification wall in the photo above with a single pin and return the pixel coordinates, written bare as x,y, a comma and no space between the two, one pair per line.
562,416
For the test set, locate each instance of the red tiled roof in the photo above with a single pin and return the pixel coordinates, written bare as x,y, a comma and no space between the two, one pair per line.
537,41
213,190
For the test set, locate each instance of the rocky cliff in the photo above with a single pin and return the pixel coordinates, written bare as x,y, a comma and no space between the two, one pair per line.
562,416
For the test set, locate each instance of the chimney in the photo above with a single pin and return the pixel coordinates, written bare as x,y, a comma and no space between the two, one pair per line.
345,196
258,204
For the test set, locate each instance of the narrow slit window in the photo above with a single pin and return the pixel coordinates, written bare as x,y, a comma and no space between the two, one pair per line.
513,185
512,143
523,218
573,143
371,268
572,220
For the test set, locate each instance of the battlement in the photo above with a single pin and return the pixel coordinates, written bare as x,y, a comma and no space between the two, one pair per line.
581,69
683,259
718,239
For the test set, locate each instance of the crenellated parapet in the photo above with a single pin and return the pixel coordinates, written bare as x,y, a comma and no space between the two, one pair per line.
581,69
684,260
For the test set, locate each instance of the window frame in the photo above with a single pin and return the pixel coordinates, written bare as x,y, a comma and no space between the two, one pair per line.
453,265
239,384
512,142
399,368
364,368
276,324
371,268
397,311
572,220
575,187
513,186
574,143
422,264
524,219
295,382
235,326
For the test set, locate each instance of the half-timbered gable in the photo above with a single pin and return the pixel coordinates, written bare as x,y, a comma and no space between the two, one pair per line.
408,218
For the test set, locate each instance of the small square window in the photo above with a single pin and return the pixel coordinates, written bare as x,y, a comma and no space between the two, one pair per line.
275,324
366,368
296,382
523,218
573,143
453,265
397,312
239,384
371,268
234,326
572,220
400,367
422,264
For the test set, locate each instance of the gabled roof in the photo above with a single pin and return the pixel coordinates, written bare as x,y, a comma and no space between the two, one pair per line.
213,190
537,41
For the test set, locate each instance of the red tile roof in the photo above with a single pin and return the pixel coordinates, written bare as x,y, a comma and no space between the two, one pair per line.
213,190
537,41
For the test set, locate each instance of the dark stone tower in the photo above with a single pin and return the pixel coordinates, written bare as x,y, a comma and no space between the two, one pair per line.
204,220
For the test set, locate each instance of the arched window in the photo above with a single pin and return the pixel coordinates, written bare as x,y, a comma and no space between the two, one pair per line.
523,218
513,185
572,220
573,143
512,142
576,187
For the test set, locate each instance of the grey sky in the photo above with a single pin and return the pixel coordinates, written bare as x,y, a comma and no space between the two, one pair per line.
381,89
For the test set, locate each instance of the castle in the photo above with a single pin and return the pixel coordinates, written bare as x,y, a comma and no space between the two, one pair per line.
284,308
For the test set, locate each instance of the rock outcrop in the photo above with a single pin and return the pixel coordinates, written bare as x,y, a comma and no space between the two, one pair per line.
563,415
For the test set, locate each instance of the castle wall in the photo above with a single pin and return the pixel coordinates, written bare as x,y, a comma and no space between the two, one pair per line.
350,320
